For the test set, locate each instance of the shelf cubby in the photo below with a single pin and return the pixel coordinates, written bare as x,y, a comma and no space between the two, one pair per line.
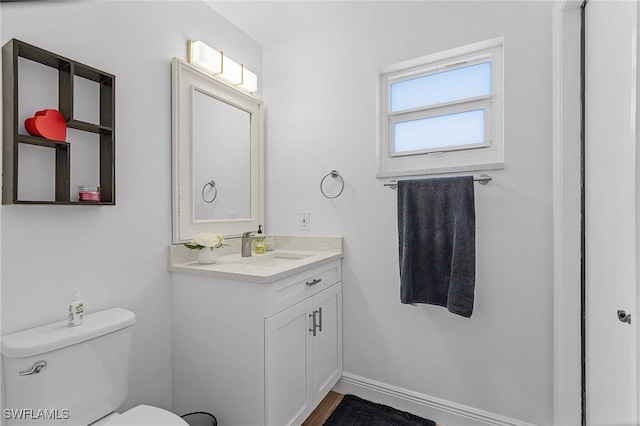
67,71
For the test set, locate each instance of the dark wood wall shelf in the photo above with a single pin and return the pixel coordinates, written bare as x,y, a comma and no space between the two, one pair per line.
67,70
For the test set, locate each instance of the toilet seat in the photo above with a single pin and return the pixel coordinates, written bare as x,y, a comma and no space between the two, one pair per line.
143,415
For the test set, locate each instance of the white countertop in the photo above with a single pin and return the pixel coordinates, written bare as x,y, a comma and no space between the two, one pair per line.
236,267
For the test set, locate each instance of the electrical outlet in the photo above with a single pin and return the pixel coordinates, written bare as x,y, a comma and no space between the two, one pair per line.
303,221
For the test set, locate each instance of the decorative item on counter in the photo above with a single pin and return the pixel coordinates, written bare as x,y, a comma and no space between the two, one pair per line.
207,244
259,245
89,193
76,309
269,243
48,124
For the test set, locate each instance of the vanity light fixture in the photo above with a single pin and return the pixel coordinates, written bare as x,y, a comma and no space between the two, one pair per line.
204,56
249,81
214,62
231,71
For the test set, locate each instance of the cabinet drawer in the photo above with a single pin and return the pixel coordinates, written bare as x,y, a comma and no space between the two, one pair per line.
285,293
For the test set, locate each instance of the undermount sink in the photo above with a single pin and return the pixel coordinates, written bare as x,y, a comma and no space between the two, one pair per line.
272,259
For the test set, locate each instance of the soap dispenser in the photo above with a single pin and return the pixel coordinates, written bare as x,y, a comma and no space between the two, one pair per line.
260,244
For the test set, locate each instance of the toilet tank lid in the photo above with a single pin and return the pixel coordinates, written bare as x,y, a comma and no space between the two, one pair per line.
49,337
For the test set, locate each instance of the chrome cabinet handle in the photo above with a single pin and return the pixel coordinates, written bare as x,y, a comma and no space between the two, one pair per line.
314,325
314,282
35,368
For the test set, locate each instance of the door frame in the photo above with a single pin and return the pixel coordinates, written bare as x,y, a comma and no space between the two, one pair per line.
568,382
567,336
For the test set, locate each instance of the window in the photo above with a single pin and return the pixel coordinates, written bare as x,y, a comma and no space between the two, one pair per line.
442,113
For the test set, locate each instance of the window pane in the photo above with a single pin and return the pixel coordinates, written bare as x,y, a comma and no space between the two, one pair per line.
446,86
444,131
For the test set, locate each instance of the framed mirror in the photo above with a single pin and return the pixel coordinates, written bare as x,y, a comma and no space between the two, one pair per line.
217,156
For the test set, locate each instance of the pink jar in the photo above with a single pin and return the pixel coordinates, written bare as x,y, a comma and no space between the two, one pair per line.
89,193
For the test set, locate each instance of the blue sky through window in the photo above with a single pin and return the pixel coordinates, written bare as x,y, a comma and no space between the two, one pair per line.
442,131
461,83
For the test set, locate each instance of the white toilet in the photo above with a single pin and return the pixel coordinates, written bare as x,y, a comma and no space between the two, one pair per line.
61,375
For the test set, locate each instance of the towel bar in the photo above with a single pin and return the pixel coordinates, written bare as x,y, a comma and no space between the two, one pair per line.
483,179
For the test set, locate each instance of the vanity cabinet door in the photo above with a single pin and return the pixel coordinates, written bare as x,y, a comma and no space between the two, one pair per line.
289,392
327,343
303,366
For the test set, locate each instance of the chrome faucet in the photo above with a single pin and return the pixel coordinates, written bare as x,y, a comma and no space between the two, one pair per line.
247,237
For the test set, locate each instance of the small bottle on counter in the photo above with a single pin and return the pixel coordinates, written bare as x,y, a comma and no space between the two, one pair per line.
259,245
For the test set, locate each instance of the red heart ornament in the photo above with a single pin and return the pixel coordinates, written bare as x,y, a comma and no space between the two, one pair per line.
48,124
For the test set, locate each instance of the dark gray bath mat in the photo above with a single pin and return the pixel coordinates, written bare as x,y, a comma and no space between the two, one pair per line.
354,411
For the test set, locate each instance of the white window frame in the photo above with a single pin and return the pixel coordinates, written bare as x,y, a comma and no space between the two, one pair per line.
483,156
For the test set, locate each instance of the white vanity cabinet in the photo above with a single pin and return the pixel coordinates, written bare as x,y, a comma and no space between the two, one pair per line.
256,353
303,347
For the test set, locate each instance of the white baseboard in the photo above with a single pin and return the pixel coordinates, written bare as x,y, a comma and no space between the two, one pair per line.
441,411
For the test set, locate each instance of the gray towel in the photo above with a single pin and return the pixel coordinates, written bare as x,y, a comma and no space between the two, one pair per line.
437,239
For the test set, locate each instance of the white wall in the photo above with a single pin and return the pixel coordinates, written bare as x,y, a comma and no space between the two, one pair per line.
115,255
320,107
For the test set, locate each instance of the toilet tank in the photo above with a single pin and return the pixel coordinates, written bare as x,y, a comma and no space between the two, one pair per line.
86,376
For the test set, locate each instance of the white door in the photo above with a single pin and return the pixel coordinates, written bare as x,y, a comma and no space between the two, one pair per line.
327,343
611,212
289,391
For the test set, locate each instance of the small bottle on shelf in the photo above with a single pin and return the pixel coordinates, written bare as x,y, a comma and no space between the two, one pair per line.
89,193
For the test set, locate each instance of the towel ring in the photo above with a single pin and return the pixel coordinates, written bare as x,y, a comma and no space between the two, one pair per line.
215,194
334,174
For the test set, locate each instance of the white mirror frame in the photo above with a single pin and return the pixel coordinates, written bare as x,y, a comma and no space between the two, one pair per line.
183,77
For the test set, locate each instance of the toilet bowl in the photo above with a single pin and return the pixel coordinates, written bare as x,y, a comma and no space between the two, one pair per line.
61,375
142,415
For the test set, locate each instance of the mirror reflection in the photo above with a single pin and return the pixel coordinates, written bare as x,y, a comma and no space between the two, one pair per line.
221,159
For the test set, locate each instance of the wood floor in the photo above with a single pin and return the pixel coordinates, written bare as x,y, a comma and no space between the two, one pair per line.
324,409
